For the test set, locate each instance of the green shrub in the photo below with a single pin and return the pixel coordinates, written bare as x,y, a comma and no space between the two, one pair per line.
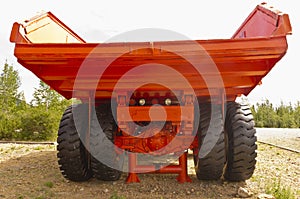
9,125
278,191
38,124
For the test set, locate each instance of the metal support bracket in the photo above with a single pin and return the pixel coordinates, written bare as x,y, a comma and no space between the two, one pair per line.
88,133
181,169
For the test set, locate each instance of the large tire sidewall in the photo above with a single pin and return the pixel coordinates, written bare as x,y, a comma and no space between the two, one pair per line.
106,163
241,142
72,155
211,158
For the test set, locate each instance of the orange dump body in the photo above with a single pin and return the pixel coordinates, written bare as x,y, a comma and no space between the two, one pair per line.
72,67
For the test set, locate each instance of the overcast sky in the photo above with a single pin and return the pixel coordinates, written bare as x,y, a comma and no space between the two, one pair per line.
97,21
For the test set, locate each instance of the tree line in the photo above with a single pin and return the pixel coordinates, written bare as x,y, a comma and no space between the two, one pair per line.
39,119
284,116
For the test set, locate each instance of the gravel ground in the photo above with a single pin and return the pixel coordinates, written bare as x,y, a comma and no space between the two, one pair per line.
31,171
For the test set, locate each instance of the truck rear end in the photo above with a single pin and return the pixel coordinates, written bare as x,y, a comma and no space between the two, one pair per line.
154,101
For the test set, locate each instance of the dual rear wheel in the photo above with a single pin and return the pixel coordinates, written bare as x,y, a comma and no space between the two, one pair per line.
227,148
75,162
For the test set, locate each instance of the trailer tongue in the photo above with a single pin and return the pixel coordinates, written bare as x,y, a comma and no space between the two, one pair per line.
152,99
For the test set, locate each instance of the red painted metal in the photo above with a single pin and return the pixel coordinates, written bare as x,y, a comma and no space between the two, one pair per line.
242,61
181,169
55,54
261,22
132,164
141,113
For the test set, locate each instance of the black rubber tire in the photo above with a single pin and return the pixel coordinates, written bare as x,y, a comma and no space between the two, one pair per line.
211,159
106,163
241,142
72,156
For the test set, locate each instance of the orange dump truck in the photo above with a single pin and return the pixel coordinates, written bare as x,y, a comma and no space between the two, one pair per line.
146,104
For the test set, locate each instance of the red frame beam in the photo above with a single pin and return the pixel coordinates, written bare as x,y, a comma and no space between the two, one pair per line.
155,113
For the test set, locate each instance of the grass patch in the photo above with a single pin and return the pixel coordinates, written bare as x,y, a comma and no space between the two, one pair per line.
13,148
49,184
256,178
19,147
38,148
116,196
276,189
39,197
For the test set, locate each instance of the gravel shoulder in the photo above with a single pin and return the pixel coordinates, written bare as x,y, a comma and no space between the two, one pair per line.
31,171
